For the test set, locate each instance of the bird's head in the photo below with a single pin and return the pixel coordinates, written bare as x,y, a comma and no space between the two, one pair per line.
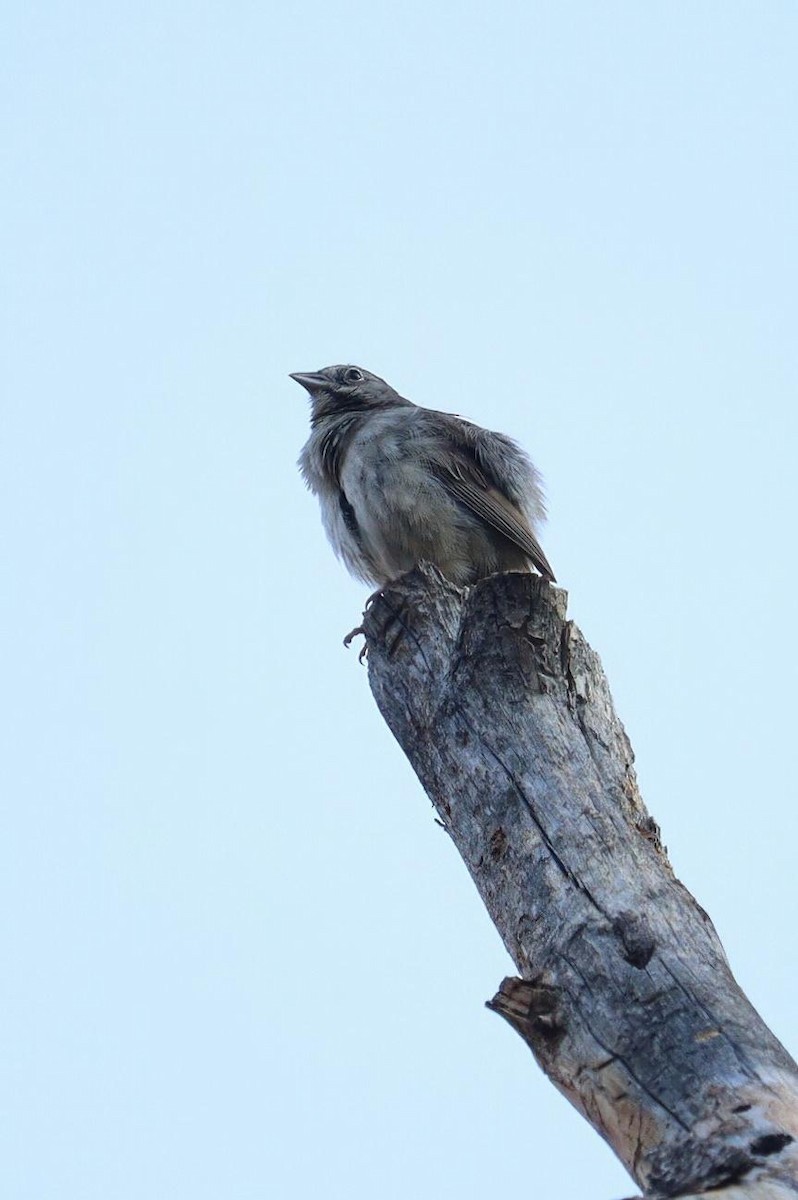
345,389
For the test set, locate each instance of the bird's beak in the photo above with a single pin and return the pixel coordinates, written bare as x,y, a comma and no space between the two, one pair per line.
312,381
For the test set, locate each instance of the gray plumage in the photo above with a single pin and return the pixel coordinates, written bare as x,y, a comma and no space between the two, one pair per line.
399,484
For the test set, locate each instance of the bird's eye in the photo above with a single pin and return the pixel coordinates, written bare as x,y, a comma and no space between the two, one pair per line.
352,375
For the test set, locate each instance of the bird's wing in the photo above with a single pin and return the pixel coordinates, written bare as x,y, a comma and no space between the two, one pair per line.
464,473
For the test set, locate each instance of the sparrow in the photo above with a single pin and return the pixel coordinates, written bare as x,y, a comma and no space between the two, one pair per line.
399,484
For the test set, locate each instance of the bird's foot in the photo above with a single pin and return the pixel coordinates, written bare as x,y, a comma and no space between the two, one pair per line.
350,637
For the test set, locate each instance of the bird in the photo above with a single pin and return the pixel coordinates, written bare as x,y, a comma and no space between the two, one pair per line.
399,484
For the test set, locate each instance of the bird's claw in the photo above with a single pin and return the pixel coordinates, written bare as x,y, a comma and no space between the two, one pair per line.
350,637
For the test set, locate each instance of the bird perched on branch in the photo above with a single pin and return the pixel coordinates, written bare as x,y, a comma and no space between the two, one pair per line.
399,484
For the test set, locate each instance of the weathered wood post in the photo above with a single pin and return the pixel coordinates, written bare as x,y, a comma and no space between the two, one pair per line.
625,996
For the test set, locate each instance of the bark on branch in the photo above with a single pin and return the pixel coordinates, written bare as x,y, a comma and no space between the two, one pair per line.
625,996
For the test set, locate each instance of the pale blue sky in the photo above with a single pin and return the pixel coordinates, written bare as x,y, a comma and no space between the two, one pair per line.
239,958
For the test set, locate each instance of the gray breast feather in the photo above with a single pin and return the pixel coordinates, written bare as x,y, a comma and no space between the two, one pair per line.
407,484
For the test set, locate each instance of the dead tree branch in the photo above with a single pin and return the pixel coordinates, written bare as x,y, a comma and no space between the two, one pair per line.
625,996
